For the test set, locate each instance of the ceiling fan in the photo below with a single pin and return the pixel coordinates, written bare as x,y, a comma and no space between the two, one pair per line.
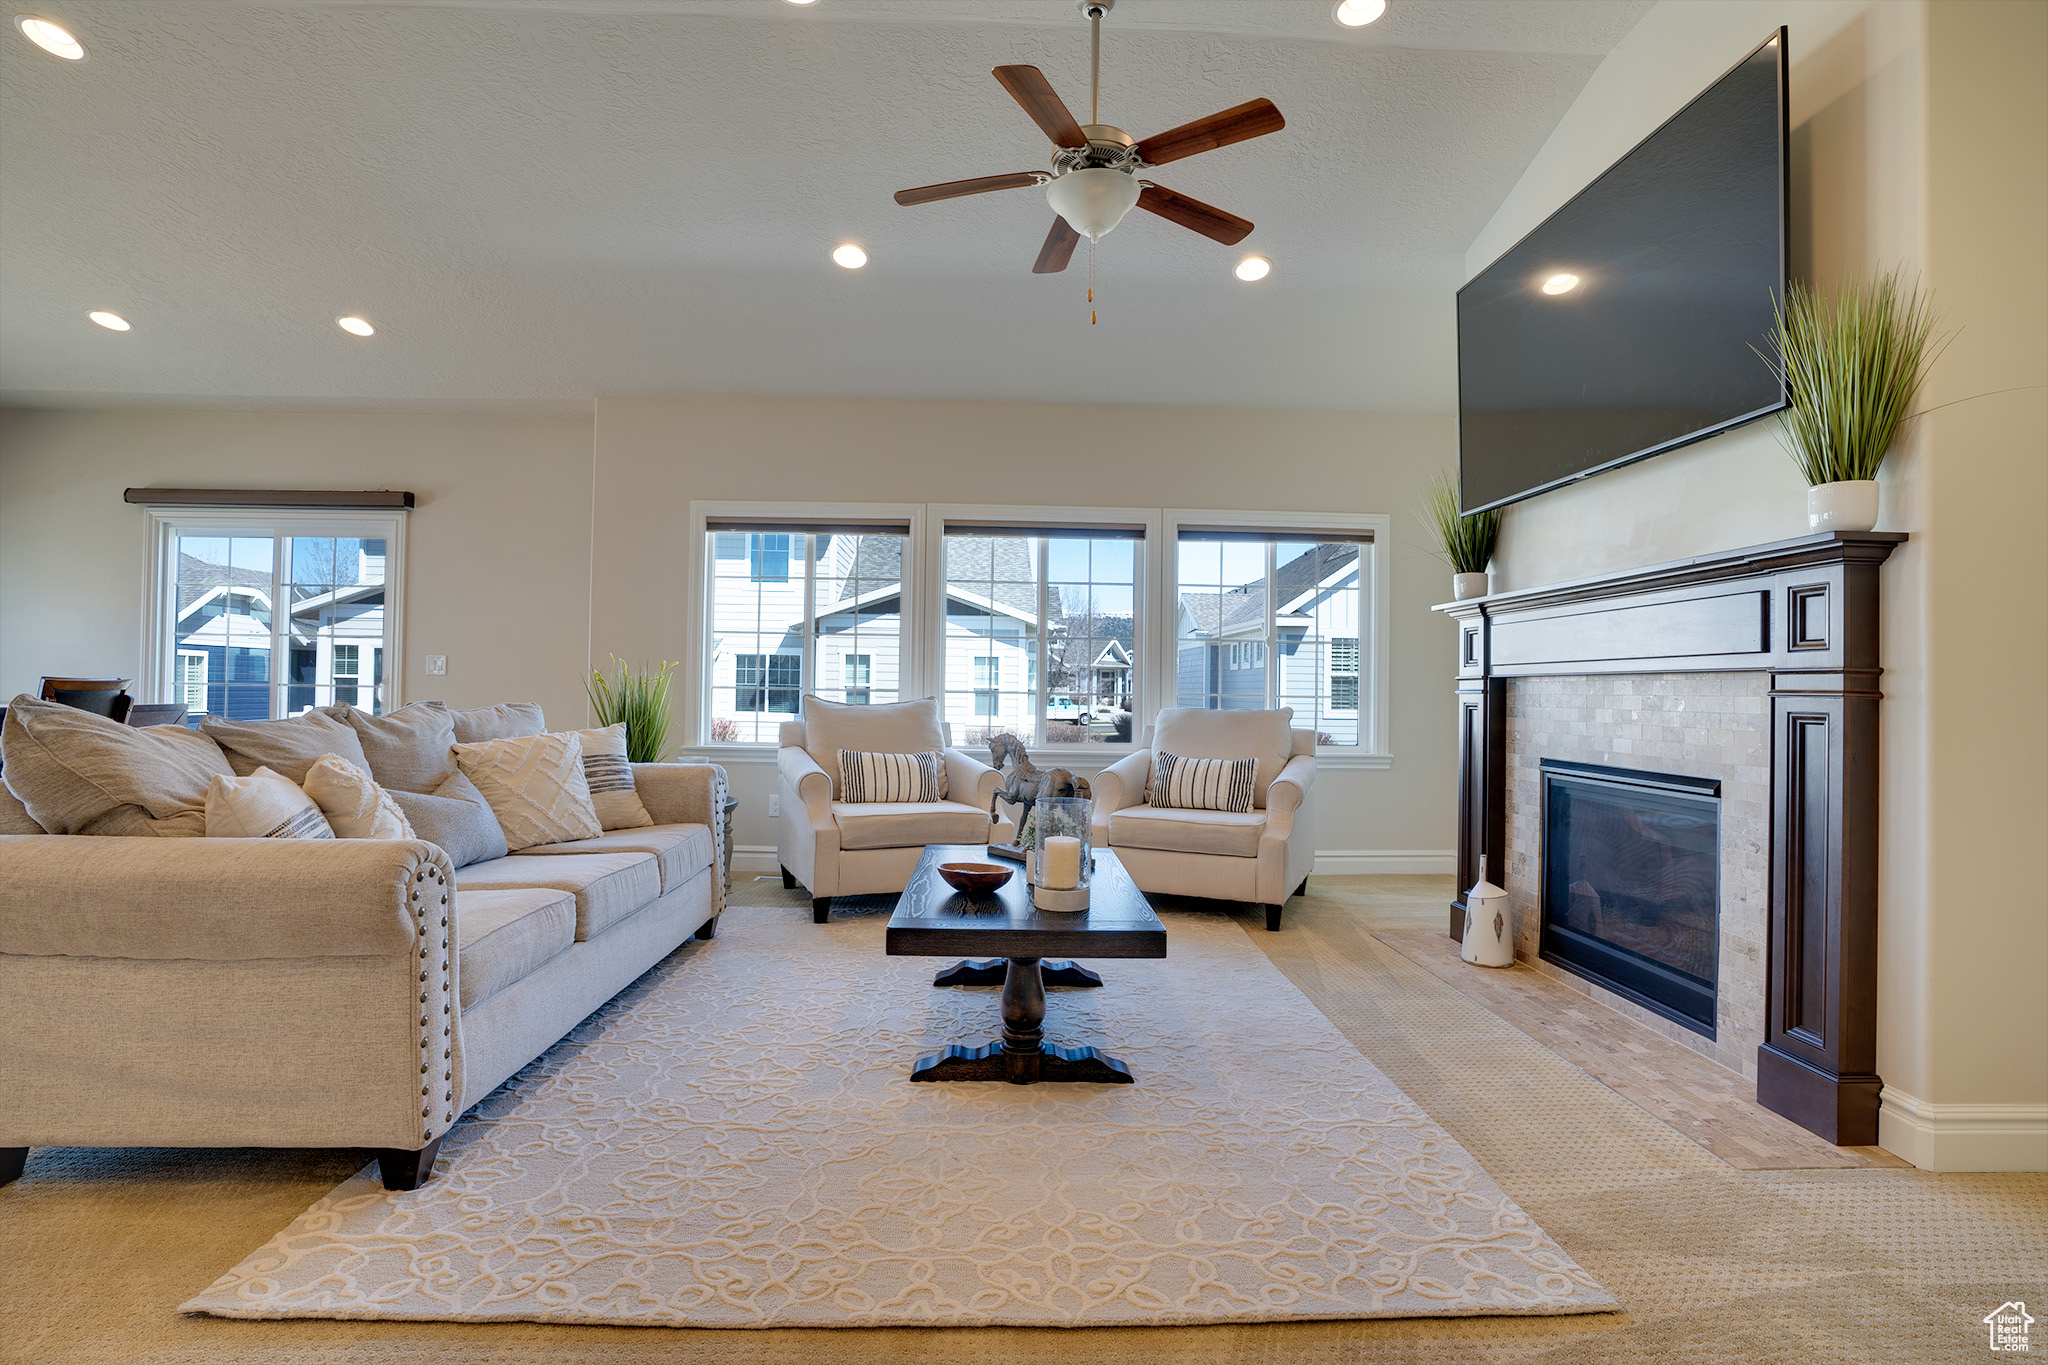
1094,180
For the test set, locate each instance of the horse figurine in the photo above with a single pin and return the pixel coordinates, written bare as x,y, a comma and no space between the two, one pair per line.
1024,784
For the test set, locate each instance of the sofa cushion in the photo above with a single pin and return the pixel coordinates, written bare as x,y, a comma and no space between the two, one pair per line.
502,936
456,817
352,801
909,727
1267,736
607,886
906,824
506,720
610,778
536,787
1230,834
263,805
407,750
681,851
287,747
71,768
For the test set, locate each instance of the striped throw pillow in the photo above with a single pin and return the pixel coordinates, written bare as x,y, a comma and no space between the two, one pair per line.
888,777
610,777
1203,783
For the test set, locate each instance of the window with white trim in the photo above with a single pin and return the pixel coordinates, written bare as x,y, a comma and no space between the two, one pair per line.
792,609
1266,619
260,615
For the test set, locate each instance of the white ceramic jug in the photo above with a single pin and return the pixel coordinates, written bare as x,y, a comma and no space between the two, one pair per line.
1489,924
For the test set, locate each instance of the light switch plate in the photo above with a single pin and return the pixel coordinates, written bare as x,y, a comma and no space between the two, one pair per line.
437,665
774,806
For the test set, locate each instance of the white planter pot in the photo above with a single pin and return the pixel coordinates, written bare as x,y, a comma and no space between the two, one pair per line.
1464,585
1850,505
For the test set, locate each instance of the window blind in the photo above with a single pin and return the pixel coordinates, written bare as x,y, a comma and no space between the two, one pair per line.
1262,534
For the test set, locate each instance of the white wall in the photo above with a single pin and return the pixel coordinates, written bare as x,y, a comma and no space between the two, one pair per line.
500,558
1917,140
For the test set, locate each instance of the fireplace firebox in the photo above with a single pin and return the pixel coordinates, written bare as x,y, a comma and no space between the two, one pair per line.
1631,884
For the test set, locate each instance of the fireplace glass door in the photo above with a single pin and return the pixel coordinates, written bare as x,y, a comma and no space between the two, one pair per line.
1631,884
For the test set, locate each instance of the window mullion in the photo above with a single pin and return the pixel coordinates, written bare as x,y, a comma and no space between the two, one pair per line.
807,679
1043,688
280,624
1269,633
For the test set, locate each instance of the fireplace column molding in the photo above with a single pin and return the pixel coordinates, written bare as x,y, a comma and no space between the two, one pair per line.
1804,612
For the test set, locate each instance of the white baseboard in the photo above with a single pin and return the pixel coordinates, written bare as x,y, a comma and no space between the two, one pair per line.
1963,1137
757,858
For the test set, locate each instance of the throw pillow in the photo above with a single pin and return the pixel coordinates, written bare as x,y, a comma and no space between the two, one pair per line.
888,777
354,805
1267,736
1203,783
506,720
72,769
908,727
407,750
535,787
455,817
263,805
14,817
287,747
610,776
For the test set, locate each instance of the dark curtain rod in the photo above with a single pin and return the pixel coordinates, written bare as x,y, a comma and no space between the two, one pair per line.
326,499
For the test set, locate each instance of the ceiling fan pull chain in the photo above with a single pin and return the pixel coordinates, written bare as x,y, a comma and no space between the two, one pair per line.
1091,283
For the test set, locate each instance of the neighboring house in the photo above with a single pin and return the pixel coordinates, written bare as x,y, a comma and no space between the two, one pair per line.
332,639
1312,631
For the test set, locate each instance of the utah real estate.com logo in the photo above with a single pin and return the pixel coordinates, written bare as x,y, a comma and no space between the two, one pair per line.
2008,1325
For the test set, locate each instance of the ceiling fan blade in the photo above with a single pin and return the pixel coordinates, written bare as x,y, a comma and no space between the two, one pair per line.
1206,219
1058,248
1029,87
1256,118
953,189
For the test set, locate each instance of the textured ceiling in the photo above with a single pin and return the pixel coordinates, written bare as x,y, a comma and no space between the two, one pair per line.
550,200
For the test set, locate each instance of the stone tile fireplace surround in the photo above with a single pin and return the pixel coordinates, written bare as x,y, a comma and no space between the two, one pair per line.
1756,668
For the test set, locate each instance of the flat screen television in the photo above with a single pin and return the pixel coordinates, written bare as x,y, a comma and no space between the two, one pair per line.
1624,324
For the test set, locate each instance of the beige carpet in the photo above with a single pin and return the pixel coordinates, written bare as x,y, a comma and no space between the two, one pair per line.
1716,1266
734,1142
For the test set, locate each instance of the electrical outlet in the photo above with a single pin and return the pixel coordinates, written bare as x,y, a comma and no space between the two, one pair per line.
774,806
437,665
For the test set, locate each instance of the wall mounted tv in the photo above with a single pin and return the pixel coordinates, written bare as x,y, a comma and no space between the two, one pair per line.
1622,326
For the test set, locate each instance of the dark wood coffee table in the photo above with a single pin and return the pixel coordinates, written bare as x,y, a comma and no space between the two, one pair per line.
934,920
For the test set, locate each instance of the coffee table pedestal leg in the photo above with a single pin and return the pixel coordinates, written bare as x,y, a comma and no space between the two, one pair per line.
1022,1057
990,971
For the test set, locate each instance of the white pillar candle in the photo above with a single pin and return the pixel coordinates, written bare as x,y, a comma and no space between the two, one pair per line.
1062,870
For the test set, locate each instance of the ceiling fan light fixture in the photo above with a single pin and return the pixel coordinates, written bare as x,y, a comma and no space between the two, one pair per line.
1358,13
1094,200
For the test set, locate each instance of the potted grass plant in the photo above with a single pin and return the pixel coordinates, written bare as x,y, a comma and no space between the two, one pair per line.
1852,359
1464,540
639,697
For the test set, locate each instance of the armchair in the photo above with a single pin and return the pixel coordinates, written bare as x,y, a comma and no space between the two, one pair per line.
1262,855
845,848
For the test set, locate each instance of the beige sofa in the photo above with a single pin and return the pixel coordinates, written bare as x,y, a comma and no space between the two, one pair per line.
867,848
194,992
1263,855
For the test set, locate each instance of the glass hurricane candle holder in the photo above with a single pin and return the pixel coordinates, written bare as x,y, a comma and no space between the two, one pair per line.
1061,862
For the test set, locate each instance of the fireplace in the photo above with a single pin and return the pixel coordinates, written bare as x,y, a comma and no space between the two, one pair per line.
1631,885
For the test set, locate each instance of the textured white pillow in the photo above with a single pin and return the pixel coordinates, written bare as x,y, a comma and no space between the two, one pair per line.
535,786
610,777
1203,783
263,805
888,777
353,803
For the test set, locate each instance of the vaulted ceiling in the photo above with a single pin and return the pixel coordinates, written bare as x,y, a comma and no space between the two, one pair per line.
557,199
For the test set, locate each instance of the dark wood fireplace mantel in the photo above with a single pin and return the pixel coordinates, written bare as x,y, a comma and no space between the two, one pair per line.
1805,612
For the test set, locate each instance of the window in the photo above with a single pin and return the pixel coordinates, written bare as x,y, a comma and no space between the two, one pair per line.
859,667
1268,621
1044,603
791,611
267,614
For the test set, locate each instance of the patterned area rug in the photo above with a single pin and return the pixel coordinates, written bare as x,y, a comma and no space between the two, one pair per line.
732,1143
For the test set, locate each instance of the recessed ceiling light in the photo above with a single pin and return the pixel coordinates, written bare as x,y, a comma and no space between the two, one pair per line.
1560,284
355,326
113,322
1358,13
849,255
1254,268
803,2
54,39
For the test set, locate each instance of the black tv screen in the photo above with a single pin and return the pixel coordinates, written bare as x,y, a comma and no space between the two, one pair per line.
1624,324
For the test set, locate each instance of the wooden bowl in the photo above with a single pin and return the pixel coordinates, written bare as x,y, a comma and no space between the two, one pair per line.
975,879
